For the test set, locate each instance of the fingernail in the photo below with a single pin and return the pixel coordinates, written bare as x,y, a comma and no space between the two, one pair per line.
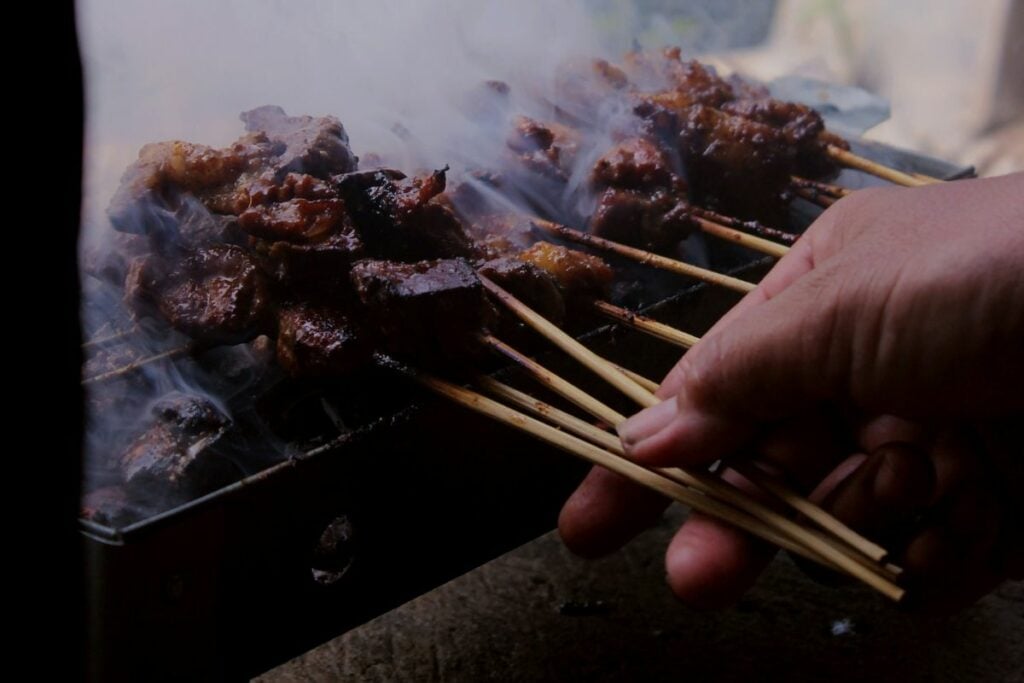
647,423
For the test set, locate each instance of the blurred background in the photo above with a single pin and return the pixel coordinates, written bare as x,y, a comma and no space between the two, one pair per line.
953,72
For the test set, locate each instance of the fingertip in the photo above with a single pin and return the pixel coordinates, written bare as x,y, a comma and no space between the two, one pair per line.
688,438
710,565
604,512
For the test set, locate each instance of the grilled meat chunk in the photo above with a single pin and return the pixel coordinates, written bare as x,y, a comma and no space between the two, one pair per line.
737,165
655,221
399,217
577,273
802,127
319,342
635,164
548,149
184,195
215,295
430,310
534,286
177,454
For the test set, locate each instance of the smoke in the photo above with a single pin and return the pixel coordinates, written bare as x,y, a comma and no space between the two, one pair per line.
396,72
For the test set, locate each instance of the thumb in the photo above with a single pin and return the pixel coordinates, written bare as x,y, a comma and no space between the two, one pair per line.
773,362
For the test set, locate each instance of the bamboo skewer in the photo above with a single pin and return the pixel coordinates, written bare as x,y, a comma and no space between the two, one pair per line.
799,503
575,349
136,365
744,239
646,257
645,324
813,512
656,481
113,336
829,189
750,227
815,197
648,384
560,386
705,483
876,169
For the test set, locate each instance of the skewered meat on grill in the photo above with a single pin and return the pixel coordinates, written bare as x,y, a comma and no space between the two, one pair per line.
177,453
318,341
184,194
216,295
549,149
427,310
400,218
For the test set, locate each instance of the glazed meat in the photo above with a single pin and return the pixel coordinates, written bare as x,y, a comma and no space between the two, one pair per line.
532,285
215,295
430,310
802,127
185,195
178,452
320,342
400,218
735,164
577,273
635,164
548,149
655,221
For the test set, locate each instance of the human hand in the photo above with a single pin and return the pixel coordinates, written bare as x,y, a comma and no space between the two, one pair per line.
896,302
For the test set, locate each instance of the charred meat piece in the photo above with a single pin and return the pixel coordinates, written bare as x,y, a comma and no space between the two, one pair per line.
183,194
176,191
319,342
549,149
177,454
635,164
317,270
577,273
297,220
737,165
655,221
529,283
216,295
400,219
430,310
315,146
802,127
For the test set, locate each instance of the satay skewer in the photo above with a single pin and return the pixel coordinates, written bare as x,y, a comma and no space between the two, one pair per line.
742,238
645,257
645,398
860,163
136,365
646,325
656,481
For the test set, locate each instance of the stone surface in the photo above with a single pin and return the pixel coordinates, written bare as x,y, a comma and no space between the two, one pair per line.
538,613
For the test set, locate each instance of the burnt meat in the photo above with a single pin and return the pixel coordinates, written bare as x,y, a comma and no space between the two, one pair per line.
400,218
655,221
319,342
215,295
177,453
430,310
